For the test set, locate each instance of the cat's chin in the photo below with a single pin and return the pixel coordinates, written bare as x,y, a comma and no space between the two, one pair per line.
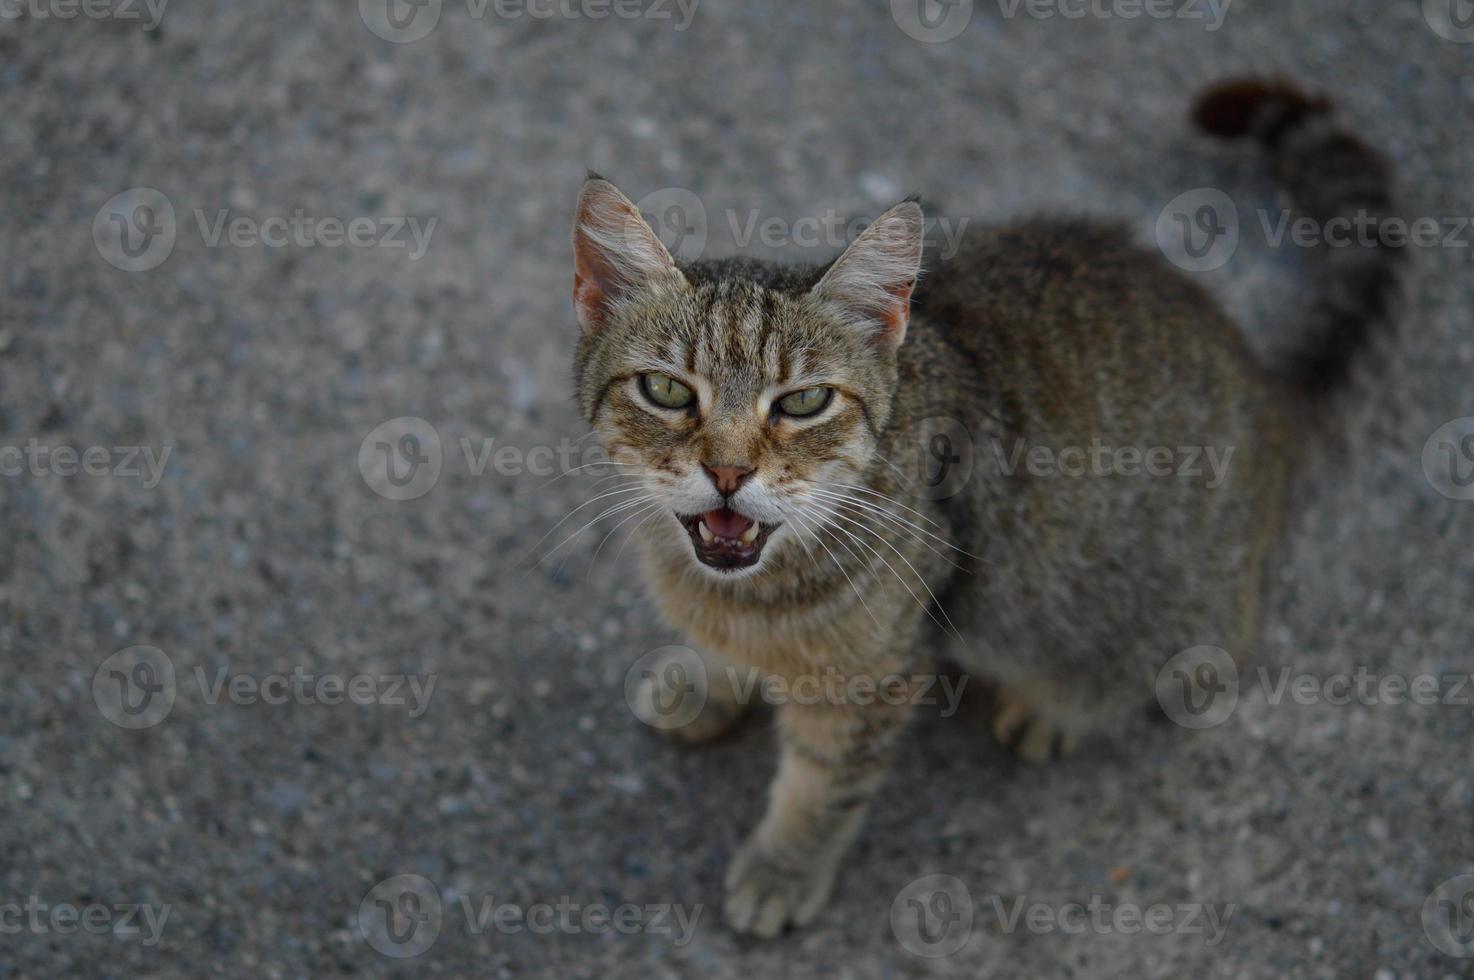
725,540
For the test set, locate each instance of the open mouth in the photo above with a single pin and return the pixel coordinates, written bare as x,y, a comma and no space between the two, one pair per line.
724,538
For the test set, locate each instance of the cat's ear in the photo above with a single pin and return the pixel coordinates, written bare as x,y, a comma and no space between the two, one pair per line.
615,254
873,280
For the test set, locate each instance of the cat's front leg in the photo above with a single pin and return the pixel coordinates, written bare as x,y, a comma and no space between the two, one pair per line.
834,757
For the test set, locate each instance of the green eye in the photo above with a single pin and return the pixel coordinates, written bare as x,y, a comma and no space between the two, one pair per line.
666,391
806,402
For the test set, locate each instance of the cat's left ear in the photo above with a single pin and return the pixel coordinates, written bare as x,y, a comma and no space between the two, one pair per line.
615,254
873,280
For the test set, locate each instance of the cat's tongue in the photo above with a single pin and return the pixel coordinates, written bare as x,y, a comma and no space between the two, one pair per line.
726,523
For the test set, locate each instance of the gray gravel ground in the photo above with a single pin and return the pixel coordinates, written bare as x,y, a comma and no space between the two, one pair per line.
261,548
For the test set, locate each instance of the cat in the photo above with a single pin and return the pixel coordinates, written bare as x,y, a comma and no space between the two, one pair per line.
758,411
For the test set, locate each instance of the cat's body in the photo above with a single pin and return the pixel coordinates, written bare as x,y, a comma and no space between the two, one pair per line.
1058,361
1097,346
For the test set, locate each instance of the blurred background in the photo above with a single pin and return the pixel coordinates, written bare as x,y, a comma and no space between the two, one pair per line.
285,343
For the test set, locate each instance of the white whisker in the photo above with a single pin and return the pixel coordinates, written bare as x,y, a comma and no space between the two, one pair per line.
592,500
949,625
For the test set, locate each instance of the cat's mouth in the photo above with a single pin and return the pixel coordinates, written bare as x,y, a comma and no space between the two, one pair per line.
724,538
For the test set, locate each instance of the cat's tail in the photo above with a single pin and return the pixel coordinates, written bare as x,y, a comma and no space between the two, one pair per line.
1345,187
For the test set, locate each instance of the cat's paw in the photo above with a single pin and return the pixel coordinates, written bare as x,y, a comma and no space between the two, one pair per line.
670,698
766,895
1019,727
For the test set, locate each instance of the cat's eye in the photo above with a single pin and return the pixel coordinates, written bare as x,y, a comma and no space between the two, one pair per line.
806,402
666,391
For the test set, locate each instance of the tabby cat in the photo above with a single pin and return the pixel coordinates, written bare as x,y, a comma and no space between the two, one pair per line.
762,416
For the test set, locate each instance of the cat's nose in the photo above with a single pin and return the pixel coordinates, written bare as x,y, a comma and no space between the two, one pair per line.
727,478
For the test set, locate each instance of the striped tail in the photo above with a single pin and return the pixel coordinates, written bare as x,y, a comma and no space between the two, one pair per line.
1332,174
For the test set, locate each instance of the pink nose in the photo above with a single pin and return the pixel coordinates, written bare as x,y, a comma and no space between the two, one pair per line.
727,478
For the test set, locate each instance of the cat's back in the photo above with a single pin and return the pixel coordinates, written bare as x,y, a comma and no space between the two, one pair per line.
1079,324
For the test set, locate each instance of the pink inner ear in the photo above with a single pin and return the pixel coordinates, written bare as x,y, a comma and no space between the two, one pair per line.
589,301
594,283
896,315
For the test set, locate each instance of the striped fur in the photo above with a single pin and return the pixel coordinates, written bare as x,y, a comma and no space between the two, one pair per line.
1066,594
1331,173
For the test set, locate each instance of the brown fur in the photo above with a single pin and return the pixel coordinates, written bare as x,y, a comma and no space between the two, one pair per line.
1068,593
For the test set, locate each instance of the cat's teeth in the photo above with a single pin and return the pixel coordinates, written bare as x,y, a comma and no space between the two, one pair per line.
706,534
750,535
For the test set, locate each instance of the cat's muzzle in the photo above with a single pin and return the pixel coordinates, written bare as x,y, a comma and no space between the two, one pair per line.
723,538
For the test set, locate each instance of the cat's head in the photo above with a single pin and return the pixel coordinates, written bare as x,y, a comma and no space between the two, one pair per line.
738,400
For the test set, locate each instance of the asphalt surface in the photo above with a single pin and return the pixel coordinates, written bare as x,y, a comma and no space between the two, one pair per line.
224,819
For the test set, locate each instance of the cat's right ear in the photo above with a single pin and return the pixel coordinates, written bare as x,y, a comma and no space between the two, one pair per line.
615,254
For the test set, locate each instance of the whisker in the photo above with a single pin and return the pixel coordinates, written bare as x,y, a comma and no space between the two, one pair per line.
584,466
893,500
643,511
905,532
905,479
949,625
617,508
638,528
901,524
840,566
869,563
592,500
